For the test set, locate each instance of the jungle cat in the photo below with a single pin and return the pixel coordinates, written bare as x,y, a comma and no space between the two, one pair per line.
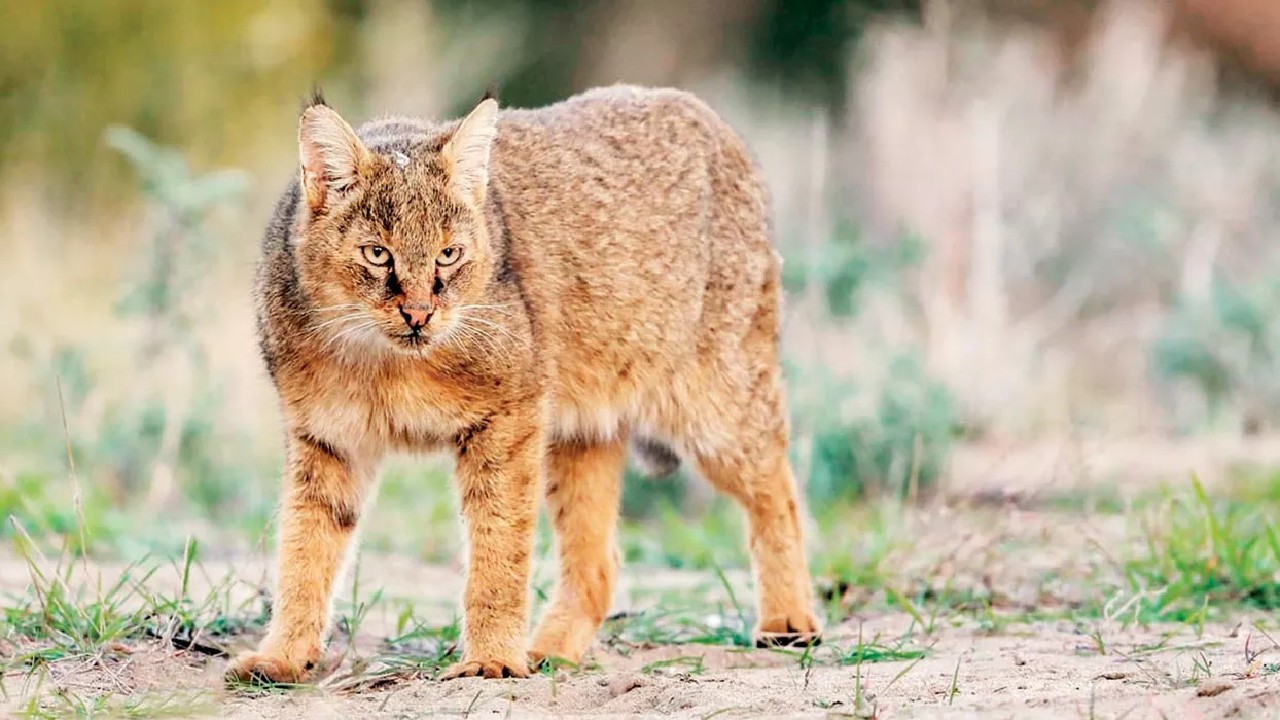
536,291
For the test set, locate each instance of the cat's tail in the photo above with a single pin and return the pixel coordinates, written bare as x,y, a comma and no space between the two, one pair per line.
654,458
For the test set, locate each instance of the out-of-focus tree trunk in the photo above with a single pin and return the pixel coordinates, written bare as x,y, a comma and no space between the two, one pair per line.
1246,31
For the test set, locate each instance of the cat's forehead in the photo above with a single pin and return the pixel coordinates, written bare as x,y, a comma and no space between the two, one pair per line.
399,159
407,196
414,163
407,209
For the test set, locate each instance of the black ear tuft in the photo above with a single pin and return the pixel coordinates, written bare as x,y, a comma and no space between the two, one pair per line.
490,92
316,98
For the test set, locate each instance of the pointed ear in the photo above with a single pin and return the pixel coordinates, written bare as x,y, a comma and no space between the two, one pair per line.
331,156
466,155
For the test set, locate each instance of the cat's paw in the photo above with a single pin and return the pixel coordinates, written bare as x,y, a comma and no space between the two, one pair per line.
490,669
796,630
562,637
541,659
264,669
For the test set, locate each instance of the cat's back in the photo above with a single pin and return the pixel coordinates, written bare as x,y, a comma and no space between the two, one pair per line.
637,154
620,189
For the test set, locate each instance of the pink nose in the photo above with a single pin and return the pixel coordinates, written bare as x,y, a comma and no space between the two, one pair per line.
415,314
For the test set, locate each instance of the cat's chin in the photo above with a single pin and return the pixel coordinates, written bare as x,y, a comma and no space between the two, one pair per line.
415,344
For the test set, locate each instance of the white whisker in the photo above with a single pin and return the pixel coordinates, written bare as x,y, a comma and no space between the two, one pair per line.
495,326
347,332
339,319
506,308
339,306
469,324
471,333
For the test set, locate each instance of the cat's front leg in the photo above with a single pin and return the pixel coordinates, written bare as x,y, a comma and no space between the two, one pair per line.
499,473
322,498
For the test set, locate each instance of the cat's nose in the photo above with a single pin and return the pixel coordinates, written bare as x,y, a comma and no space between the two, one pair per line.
415,314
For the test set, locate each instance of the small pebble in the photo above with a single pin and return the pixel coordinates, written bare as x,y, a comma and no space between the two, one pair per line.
624,684
1213,688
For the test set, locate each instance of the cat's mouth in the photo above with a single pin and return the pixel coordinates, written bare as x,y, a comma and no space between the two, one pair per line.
412,342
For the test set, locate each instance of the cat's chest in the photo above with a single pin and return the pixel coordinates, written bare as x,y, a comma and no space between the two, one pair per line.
391,409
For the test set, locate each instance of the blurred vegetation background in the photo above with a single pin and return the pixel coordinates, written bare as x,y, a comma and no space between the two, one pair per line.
1003,222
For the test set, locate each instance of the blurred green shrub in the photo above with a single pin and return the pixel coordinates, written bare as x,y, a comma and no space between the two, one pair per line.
151,433
1224,348
155,439
848,268
28,500
857,438
648,497
898,448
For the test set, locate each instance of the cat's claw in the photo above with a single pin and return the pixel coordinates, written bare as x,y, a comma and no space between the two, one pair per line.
801,630
262,669
490,669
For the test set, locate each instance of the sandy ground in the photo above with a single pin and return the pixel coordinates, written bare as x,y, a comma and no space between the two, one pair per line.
1035,671
1124,467
970,667
1043,670
1026,561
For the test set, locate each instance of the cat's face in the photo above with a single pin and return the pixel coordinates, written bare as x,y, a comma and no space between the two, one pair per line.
392,249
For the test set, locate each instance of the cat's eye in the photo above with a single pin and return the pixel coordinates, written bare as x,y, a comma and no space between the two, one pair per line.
376,254
449,256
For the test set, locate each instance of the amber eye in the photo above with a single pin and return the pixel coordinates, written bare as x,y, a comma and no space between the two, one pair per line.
449,256
376,254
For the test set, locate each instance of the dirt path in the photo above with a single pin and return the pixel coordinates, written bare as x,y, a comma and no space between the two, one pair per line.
1046,670
1042,671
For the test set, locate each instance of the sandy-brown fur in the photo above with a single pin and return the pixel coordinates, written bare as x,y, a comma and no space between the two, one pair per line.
618,282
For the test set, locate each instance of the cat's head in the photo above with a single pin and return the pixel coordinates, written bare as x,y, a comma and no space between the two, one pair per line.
391,246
